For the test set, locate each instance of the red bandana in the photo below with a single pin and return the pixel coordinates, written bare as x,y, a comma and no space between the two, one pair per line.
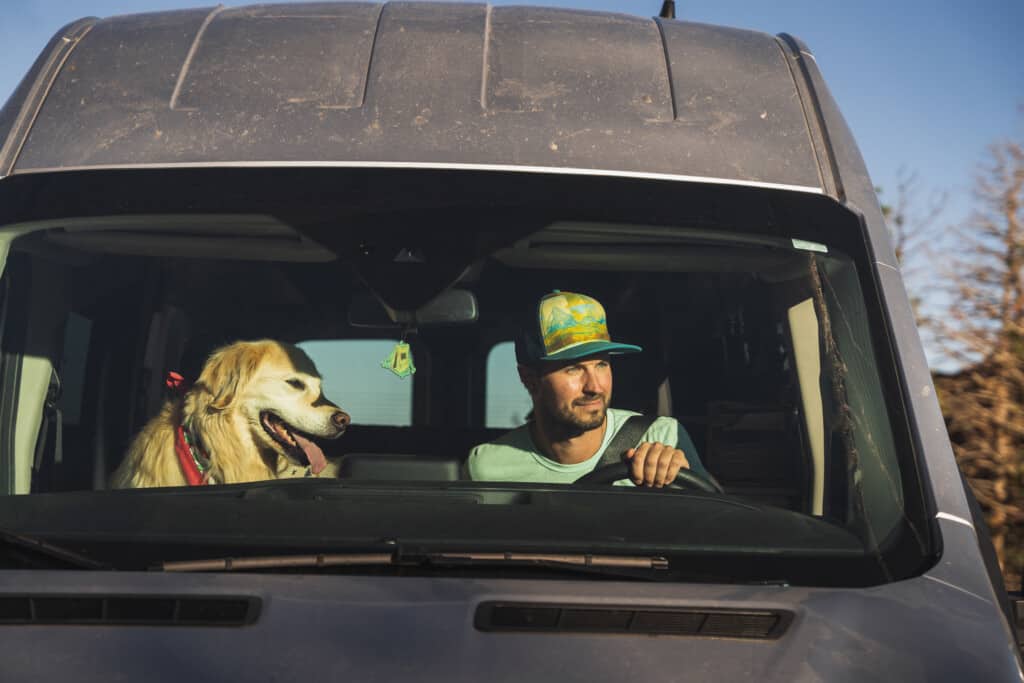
190,463
190,457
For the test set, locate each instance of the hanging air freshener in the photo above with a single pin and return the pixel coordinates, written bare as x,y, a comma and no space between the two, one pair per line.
399,361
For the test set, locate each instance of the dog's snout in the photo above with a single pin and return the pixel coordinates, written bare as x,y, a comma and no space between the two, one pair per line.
340,419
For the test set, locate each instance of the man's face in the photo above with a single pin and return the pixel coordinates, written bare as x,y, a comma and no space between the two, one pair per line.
574,394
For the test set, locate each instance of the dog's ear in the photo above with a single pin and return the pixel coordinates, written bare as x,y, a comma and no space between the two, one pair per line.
226,372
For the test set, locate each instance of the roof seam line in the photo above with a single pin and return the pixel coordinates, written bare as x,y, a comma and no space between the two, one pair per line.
24,122
814,114
187,64
800,86
487,48
369,58
668,68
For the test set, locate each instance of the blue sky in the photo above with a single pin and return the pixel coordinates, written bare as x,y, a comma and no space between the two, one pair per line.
925,86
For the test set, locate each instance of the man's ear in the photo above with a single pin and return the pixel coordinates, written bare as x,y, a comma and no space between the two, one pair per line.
528,376
226,373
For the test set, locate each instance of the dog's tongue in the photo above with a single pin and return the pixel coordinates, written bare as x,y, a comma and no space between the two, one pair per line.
317,460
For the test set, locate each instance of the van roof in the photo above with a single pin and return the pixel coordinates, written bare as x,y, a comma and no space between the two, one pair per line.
421,84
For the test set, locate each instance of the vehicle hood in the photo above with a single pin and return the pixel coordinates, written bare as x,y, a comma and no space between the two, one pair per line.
389,628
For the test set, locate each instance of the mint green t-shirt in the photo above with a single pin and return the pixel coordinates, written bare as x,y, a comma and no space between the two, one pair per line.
514,456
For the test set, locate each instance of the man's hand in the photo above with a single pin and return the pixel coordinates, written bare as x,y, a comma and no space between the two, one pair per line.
655,464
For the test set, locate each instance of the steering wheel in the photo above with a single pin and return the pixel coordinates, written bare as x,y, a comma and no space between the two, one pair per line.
685,478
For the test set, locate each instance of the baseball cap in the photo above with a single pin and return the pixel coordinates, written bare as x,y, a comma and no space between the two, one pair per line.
566,325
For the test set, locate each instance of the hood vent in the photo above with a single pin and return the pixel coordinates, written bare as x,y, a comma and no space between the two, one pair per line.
128,610
712,623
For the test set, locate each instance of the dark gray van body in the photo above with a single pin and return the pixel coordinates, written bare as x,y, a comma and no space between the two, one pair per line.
504,89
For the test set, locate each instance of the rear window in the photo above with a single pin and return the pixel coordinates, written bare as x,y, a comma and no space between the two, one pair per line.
352,377
507,402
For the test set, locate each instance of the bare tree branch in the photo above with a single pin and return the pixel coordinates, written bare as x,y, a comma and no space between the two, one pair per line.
983,328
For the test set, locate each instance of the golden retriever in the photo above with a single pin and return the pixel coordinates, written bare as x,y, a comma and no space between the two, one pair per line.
252,415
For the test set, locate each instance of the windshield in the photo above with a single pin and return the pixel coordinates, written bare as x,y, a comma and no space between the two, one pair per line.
452,378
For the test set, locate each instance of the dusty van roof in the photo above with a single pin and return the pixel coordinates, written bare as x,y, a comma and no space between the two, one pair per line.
419,84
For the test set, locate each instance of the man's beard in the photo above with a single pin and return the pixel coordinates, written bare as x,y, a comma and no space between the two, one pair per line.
570,423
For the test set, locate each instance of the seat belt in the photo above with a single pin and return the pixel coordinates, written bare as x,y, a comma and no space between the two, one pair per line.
627,437
51,414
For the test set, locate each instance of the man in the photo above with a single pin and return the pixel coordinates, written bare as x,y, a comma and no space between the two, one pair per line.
563,354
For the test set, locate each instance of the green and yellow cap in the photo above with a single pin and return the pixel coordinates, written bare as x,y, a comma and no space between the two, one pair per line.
567,325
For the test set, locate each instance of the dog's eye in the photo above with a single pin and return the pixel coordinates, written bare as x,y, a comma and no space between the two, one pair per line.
296,383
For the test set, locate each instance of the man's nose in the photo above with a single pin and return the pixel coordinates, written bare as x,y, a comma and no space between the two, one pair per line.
592,382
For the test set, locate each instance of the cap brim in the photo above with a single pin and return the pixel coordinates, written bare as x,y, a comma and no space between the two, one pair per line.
590,349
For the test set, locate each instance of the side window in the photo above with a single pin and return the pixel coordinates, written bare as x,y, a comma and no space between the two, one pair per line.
506,401
354,379
803,325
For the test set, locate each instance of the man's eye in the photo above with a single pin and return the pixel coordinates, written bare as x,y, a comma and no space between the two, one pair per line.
297,384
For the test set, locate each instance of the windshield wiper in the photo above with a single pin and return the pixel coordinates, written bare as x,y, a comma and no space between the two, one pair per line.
619,565
227,564
648,568
25,551
551,559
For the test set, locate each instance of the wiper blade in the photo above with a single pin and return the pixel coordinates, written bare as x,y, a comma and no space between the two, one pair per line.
546,559
27,551
227,564
584,562
637,567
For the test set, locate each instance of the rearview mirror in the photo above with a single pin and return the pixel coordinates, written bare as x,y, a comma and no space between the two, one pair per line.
451,307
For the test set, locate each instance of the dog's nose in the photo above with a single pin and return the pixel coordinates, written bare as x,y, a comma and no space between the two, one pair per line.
340,419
